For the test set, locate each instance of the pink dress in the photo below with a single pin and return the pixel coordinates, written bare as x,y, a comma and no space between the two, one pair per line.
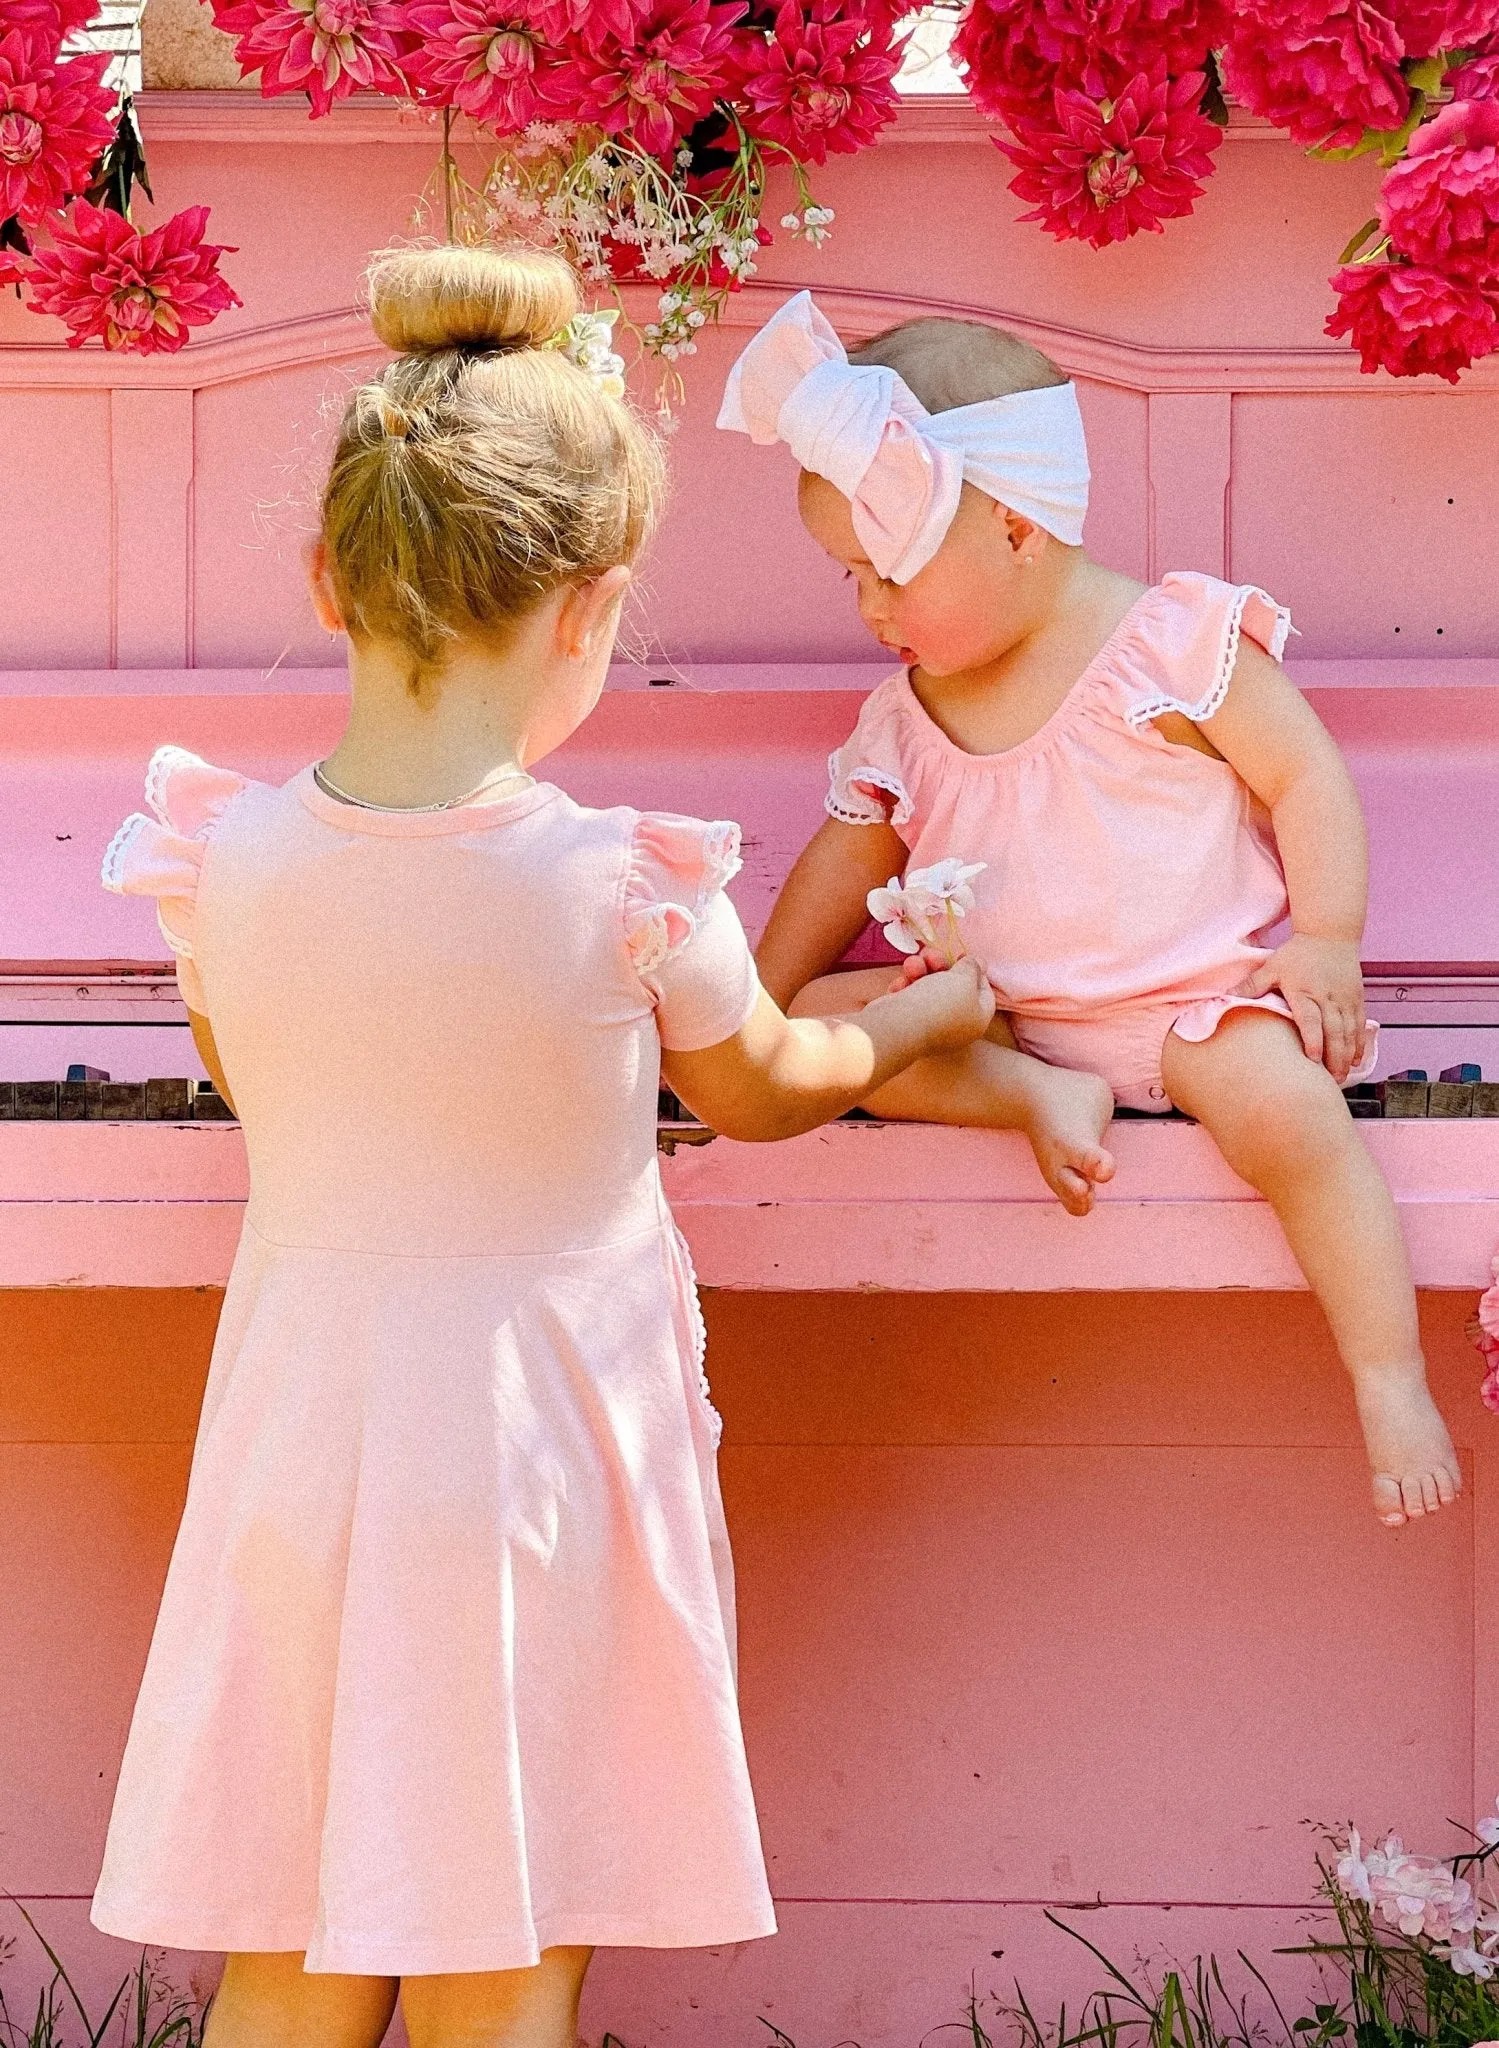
1131,884
443,1673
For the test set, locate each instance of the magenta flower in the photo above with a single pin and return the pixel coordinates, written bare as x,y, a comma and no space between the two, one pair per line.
133,291
1324,69
1412,320
492,59
660,81
14,267
816,86
325,48
1478,79
1106,167
998,48
1427,26
599,17
1440,204
48,22
54,121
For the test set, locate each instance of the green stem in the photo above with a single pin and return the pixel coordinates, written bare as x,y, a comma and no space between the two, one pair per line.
447,171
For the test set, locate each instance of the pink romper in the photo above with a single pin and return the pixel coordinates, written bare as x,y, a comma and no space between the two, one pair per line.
443,1673
1131,884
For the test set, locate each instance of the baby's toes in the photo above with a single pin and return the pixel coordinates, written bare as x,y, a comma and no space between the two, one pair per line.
1094,1164
1412,1496
1388,1504
1074,1190
1449,1484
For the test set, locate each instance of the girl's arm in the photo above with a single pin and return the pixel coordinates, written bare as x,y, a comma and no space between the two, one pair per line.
778,1076
821,910
1270,735
208,1053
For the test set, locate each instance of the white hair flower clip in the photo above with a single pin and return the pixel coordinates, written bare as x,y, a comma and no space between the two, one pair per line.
928,901
588,341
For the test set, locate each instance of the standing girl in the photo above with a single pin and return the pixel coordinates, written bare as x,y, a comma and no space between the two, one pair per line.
442,1692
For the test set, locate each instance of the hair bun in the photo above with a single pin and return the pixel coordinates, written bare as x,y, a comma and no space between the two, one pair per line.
425,300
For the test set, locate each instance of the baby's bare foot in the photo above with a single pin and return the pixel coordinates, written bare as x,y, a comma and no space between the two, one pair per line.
1415,1467
1070,1114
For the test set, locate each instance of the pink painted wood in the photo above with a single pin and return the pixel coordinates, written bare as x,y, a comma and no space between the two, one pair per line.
1049,1594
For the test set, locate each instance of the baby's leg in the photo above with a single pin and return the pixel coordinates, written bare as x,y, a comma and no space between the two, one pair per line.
1281,1122
992,1085
270,2001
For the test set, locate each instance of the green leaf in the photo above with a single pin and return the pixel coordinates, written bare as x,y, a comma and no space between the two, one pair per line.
1212,104
122,166
1370,227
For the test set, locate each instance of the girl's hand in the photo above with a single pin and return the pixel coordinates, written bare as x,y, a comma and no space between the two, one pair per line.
1324,985
952,1005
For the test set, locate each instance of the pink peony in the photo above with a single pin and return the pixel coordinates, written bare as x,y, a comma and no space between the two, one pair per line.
15,268
1427,26
817,85
1413,321
659,82
1104,168
1417,1894
1440,205
1324,69
54,121
134,291
325,48
492,59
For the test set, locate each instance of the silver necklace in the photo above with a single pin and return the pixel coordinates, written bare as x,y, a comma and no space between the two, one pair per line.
325,782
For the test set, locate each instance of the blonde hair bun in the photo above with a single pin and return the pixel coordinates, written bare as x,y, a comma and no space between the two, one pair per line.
423,301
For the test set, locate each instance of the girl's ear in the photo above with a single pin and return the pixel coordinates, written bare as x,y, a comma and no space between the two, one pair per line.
320,584
590,610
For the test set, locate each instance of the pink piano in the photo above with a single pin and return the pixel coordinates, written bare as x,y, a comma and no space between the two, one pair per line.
1058,1585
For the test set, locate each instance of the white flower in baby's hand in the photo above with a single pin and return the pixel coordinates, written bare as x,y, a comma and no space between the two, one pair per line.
928,901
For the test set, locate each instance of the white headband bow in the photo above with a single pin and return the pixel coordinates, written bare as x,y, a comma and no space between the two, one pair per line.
901,467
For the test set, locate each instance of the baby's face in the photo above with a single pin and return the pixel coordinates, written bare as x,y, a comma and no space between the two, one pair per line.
967,607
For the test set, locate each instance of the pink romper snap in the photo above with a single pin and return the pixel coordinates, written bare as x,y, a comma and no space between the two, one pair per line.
1131,884
443,1674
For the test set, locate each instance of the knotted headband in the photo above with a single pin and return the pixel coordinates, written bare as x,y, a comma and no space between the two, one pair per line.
901,467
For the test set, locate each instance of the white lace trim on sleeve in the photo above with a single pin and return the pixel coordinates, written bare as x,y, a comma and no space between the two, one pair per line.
1228,653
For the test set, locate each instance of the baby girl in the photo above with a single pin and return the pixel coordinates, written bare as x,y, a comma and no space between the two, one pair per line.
1151,799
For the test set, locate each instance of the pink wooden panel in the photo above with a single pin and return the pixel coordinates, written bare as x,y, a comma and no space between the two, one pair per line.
1374,518
944,1513
57,443
84,1543
262,445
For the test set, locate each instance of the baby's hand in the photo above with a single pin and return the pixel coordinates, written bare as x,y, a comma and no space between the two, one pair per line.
915,965
954,1005
1322,982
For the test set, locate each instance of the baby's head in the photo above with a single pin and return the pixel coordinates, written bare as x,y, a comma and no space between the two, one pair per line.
996,574
483,481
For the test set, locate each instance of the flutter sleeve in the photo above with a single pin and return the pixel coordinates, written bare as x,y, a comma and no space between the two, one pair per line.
683,934
161,854
869,778
1179,651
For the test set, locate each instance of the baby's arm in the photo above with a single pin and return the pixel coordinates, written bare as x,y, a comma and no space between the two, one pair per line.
1269,734
822,909
778,1076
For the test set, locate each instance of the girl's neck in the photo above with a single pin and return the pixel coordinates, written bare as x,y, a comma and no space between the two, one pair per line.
459,732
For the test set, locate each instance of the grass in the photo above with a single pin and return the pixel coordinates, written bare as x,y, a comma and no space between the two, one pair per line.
145,2011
